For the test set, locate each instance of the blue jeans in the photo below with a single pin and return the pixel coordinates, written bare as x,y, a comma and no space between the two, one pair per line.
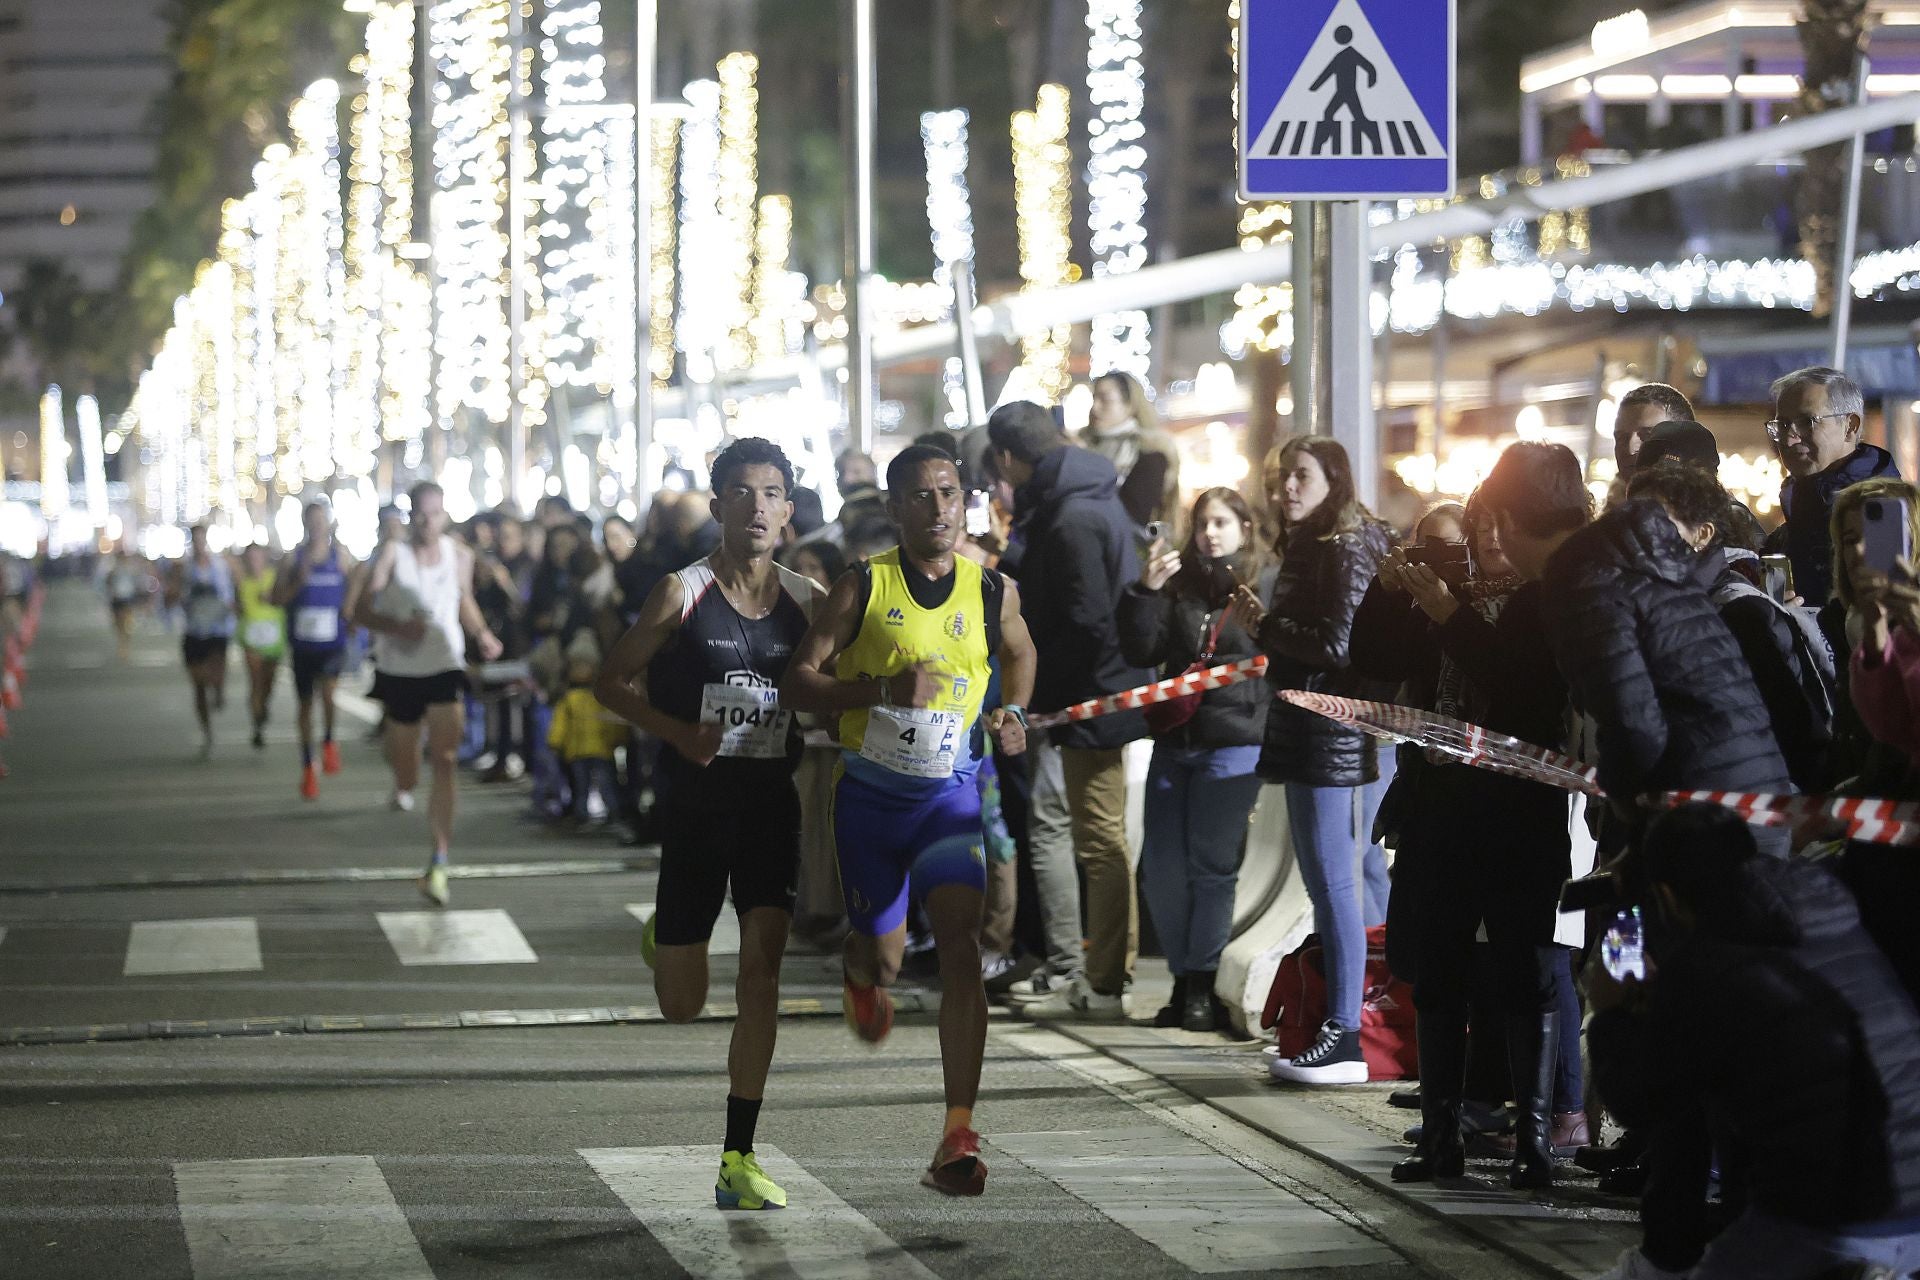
1329,846
588,775
1198,803
1373,862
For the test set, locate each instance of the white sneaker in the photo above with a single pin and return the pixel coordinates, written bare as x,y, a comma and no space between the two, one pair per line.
1077,999
1333,1058
401,801
1033,987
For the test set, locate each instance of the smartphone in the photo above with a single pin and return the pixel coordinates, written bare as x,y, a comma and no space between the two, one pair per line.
1448,560
1623,950
1589,893
979,513
1778,572
1886,530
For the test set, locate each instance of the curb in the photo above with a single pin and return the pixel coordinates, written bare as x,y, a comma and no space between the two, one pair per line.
646,861
466,1020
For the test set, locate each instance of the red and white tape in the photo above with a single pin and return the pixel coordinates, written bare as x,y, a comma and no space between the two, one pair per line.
1863,818
1180,686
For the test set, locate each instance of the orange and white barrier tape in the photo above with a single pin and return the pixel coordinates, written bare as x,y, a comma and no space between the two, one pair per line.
1181,686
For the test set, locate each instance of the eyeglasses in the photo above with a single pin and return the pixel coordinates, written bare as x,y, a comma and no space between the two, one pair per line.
1781,430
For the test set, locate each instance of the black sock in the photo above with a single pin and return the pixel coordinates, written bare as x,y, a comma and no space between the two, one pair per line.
742,1115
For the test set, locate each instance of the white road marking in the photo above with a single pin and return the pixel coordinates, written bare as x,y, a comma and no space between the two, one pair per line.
229,945
670,1189
456,937
1207,1212
726,930
322,1215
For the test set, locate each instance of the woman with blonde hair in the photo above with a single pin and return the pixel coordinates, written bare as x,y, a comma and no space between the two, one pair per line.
1330,549
1123,428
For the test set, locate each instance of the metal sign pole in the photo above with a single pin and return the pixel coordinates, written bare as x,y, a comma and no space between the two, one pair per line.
1349,347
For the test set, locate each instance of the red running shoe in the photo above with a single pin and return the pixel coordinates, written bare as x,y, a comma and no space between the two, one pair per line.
869,1011
957,1169
309,783
330,758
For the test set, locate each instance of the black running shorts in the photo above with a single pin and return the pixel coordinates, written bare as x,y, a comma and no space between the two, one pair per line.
408,697
752,844
311,666
198,649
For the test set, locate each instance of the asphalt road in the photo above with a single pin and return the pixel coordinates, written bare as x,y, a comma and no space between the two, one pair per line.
557,1151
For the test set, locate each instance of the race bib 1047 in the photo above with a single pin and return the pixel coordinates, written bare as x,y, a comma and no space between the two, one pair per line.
919,744
753,725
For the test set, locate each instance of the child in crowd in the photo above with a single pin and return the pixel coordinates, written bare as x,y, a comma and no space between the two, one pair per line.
585,738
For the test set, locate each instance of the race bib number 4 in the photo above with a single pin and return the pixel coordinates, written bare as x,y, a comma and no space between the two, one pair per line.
752,723
920,744
316,625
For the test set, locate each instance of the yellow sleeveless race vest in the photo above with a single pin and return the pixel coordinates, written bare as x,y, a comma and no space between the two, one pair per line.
895,633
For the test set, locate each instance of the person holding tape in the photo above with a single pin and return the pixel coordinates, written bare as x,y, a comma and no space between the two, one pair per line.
700,671
901,652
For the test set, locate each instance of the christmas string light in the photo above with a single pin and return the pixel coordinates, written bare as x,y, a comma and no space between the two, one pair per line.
468,41
1116,177
1043,205
949,204
663,228
53,455
778,293
736,196
573,182
703,235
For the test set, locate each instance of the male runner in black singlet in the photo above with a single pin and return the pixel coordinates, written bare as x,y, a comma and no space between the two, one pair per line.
701,670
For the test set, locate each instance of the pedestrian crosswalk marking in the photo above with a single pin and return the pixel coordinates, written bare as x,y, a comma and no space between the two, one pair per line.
318,1215
456,937
1347,100
1207,1212
670,1189
229,945
726,929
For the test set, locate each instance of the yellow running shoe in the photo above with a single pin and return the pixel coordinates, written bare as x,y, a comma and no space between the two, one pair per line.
433,885
649,940
744,1184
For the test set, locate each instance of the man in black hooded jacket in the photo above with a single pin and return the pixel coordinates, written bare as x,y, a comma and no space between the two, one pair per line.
1771,1028
1077,555
1818,417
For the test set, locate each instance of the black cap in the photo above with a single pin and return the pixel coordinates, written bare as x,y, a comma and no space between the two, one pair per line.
1687,443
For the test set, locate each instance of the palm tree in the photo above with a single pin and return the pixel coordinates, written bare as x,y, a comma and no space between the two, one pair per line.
1833,34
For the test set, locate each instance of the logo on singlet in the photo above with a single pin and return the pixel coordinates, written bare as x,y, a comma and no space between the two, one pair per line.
956,625
895,618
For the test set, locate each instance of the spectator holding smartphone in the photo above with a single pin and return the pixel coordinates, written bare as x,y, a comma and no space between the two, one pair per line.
1201,787
1818,417
1770,1030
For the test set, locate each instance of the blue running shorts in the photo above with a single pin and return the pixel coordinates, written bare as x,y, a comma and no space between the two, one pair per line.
891,841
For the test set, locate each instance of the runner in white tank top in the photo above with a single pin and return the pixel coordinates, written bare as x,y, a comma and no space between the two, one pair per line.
419,602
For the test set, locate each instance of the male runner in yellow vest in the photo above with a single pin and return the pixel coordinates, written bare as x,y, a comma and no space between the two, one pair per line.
911,637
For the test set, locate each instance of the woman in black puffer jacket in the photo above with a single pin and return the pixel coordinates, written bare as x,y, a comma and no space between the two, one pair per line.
1331,547
1202,786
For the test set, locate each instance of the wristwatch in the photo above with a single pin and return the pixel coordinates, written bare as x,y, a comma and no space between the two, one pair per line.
1017,711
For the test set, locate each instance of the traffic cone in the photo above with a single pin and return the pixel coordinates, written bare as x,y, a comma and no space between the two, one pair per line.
9,692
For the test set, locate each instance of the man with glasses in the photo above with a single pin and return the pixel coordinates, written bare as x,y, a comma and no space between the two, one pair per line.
1641,410
1818,414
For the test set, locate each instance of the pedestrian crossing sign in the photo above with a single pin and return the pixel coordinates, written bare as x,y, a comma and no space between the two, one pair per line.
1346,99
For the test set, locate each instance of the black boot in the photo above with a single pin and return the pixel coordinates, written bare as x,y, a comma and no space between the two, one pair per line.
1533,1045
1440,1152
1199,1011
1176,1006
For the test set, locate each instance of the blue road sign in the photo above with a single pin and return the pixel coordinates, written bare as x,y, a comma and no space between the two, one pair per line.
1346,99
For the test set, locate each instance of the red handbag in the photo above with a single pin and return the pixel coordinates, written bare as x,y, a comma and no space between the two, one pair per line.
1165,717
